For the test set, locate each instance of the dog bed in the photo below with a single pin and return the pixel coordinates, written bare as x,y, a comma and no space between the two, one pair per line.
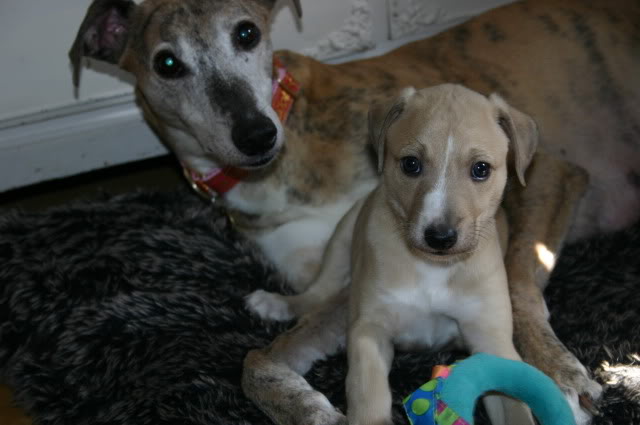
129,309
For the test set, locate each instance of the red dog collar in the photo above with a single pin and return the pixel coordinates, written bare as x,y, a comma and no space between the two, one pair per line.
216,182
221,180
284,92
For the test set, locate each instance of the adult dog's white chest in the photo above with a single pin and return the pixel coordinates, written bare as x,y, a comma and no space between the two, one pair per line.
296,237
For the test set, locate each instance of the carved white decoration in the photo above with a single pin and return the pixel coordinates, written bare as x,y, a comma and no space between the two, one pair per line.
409,17
354,36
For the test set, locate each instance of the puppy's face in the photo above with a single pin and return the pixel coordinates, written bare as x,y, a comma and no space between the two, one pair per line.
445,169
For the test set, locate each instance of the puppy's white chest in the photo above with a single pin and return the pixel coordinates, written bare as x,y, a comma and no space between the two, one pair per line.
431,292
423,309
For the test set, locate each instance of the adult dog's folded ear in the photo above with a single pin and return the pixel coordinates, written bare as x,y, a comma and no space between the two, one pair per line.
296,5
522,132
103,33
381,116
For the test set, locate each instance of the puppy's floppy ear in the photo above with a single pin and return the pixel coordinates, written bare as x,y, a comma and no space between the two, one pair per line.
103,33
522,132
381,116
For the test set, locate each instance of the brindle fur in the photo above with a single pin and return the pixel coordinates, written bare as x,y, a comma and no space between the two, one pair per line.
572,65
603,108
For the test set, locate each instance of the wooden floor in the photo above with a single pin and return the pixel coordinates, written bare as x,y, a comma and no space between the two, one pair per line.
158,173
10,415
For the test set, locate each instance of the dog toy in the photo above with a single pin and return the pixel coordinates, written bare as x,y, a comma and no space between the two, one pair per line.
450,397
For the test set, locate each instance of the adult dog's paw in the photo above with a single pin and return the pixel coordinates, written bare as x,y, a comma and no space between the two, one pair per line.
319,411
581,415
269,305
579,389
540,347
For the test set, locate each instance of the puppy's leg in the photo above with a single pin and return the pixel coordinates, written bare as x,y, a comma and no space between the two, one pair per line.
539,220
493,334
273,376
332,277
370,353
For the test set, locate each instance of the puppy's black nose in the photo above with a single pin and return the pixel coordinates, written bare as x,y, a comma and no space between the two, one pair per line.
255,137
440,237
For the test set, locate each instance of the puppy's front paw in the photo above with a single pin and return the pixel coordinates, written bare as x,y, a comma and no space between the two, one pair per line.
269,306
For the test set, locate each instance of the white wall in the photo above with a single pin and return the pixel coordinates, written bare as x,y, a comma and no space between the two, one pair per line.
36,36
47,132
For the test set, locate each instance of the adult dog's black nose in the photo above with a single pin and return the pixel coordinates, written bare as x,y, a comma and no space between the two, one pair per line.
440,237
255,137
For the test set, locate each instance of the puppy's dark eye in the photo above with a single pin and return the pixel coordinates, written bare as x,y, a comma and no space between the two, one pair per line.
167,65
480,171
411,166
247,35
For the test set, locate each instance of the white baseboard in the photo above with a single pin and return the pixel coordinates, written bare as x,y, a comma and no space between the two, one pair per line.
95,134
74,141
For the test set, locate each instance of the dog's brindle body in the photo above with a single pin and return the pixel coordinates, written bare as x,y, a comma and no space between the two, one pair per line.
572,65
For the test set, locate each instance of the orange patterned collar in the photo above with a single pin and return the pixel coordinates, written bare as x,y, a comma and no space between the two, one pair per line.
284,92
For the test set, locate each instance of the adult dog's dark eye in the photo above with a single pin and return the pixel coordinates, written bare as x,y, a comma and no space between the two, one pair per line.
167,65
480,171
247,35
411,166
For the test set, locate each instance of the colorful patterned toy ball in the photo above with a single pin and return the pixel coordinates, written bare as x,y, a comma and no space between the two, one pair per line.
449,398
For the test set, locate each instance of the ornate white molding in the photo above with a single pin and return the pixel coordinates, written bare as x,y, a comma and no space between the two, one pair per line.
407,17
354,36
413,17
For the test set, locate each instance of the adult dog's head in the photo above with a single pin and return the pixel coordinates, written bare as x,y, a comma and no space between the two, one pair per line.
203,73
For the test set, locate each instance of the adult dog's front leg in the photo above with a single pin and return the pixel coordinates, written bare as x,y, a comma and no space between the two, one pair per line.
333,276
539,220
273,376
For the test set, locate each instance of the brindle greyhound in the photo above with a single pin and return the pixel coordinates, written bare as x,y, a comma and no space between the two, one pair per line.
204,76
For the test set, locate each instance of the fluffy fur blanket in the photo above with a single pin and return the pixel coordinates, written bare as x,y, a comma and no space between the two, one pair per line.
129,309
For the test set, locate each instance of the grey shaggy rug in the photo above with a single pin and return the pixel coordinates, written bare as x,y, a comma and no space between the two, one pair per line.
129,310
